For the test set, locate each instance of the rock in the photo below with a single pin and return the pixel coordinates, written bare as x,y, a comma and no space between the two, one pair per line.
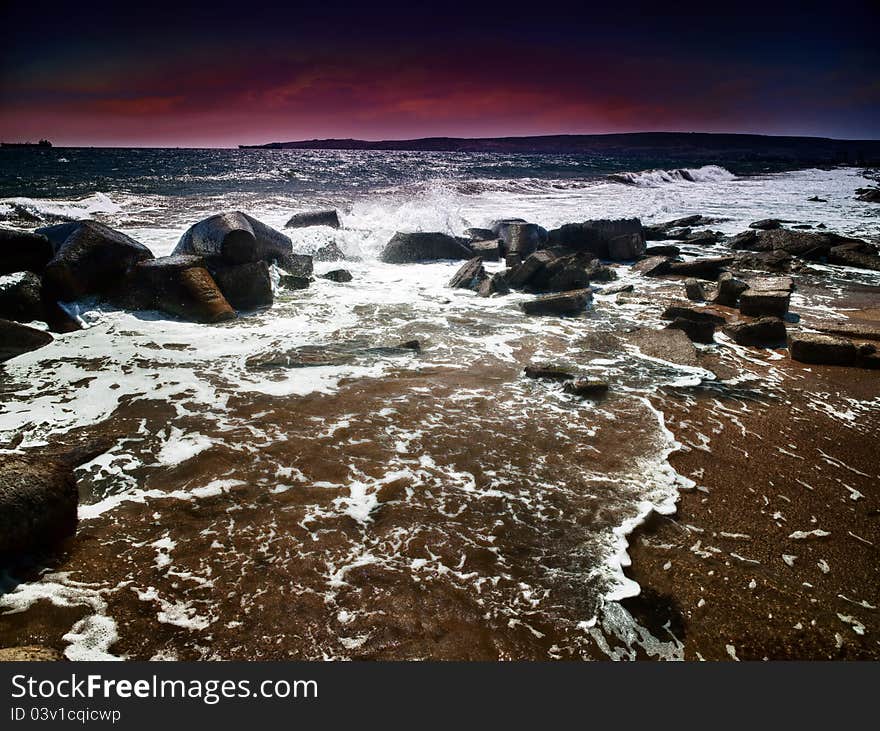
314,218
298,265
626,247
234,238
245,286
850,329
520,238
766,224
522,274
563,273
469,276
672,346
411,345
758,302
487,250
406,248
868,357
16,339
480,234
822,349
661,231
289,281
338,275
745,240
869,195
729,290
763,332
329,252
39,499
586,388
653,266
772,284
772,261
854,256
694,290
700,331
178,285
803,226
90,259
817,199
29,653
595,237
662,251
702,238
23,251
21,298
599,272
547,373
695,313
496,284
617,289
709,267
566,303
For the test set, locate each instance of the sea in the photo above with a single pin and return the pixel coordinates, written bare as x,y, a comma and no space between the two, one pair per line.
292,485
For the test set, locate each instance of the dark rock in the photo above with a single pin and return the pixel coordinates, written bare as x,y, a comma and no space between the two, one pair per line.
234,238
563,273
298,265
617,289
822,349
766,224
245,286
850,329
817,199
290,281
662,251
694,290
23,251
469,276
520,238
496,284
761,302
672,346
745,240
700,331
329,252
664,231
599,272
90,258
868,357
520,275
653,266
178,285
772,284
21,298
626,247
566,303
405,248
595,237
869,195
729,290
338,275
763,332
586,388
695,313
411,345
709,267
702,238
314,218
803,226
487,250
854,256
16,339
547,373
771,261
480,234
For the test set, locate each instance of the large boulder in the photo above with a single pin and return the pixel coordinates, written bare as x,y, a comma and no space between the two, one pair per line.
405,248
327,217
694,290
706,267
766,302
667,230
868,195
496,284
520,238
763,332
39,499
234,238
694,312
297,265
487,249
90,259
700,331
729,290
469,276
520,276
23,251
653,266
859,256
564,273
329,252
245,286
596,237
822,349
21,298
340,276
766,224
16,339
566,303
178,285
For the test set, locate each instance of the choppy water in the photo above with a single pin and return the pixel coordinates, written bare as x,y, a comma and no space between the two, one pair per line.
434,504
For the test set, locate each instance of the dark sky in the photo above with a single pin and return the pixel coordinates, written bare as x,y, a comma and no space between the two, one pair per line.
222,73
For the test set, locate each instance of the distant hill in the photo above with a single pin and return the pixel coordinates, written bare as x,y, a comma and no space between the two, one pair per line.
692,146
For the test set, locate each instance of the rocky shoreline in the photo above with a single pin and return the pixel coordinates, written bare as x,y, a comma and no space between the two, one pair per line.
231,264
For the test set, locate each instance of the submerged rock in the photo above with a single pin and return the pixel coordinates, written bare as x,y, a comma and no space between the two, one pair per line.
338,275
234,238
289,281
547,373
23,251
90,259
869,195
329,252
245,286
586,387
669,345
16,339
663,231
822,349
405,248
763,332
566,303
328,217
766,224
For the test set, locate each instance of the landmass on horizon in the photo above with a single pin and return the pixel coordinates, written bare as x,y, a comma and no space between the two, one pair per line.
697,145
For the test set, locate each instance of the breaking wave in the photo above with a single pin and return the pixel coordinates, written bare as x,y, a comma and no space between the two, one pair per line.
656,178
37,210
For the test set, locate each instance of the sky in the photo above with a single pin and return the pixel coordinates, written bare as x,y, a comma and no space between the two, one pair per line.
220,74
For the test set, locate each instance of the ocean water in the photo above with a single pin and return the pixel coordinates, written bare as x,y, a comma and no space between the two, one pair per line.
359,501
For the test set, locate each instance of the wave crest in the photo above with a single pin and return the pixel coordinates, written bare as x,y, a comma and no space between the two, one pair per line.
657,178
